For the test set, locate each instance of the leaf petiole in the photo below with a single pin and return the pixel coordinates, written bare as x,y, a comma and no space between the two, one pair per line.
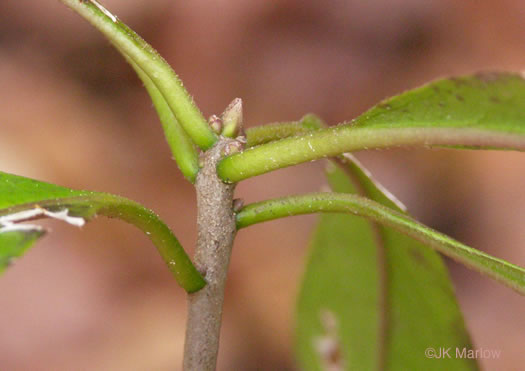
508,274
157,69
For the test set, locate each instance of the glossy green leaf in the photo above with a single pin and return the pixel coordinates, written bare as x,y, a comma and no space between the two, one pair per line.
482,111
415,295
152,64
23,199
490,102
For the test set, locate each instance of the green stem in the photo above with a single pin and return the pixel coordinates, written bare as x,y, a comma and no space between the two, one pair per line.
500,270
157,69
336,140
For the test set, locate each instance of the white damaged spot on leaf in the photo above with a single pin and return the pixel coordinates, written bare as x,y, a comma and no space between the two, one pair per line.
8,223
328,346
64,216
4,228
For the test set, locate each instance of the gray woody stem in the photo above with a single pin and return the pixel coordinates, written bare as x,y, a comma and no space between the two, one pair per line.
216,231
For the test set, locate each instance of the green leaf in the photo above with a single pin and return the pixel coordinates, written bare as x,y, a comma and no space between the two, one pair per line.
485,111
14,244
23,199
490,102
508,274
153,65
339,310
381,288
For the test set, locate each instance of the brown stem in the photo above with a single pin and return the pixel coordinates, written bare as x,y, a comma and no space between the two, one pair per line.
216,231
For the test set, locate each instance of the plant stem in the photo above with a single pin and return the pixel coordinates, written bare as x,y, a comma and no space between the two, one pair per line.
216,231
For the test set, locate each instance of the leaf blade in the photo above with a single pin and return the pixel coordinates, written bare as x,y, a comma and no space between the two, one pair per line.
340,296
491,100
418,295
14,244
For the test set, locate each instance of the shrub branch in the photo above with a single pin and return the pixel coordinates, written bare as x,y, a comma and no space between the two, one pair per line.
216,231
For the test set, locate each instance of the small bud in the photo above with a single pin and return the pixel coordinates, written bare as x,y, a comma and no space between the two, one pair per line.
232,148
232,119
241,139
201,160
215,123
238,203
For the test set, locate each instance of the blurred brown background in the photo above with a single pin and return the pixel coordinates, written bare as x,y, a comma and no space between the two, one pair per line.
72,112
